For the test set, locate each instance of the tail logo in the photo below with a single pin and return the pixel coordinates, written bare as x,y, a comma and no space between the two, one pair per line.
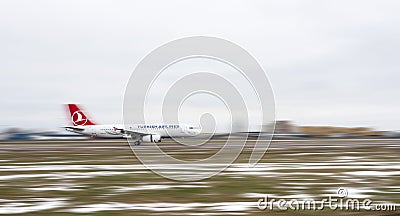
78,118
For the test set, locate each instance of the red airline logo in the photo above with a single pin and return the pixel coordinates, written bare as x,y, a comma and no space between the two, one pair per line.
78,118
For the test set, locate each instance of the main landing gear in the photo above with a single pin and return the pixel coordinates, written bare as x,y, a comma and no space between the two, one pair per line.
137,142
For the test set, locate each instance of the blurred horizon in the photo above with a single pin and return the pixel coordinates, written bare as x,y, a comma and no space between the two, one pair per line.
285,124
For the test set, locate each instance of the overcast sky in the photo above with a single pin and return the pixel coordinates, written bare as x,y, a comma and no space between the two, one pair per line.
329,62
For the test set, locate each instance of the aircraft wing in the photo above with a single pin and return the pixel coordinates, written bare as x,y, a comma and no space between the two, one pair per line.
133,133
137,136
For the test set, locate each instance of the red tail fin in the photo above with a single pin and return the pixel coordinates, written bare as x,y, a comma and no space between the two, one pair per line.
78,117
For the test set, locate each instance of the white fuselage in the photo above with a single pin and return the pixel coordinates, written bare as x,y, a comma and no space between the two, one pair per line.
112,131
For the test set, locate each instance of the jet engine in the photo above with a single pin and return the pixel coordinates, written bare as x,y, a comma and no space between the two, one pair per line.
152,138
126,136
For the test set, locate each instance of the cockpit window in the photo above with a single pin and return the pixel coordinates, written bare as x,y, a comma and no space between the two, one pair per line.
191,127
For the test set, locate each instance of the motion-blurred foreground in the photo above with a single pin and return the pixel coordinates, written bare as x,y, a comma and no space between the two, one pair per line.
104,177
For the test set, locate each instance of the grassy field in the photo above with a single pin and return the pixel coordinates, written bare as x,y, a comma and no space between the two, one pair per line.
111,180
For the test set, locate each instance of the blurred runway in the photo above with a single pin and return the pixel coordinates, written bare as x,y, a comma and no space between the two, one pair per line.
168,143
104,177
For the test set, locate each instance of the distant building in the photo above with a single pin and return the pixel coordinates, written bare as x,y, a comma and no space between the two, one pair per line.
332,131
282,127
285,127
392,134
16,134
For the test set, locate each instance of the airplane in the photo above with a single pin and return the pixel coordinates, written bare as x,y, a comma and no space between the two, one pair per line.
138,132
